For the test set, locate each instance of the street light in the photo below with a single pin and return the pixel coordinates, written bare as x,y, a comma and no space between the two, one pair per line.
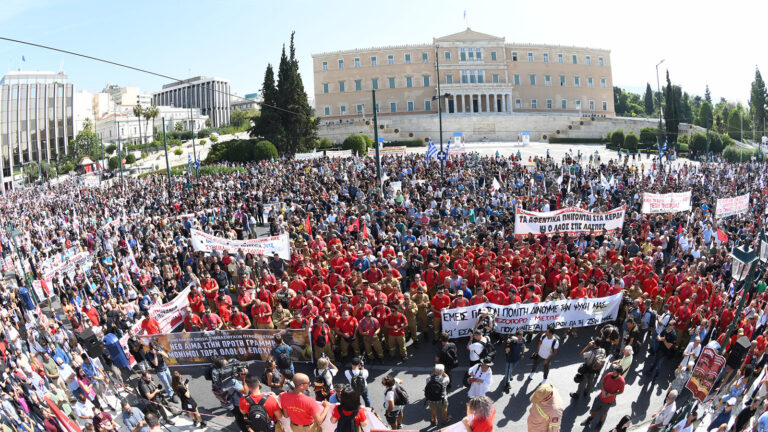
658,88
439,108
743,259
763,247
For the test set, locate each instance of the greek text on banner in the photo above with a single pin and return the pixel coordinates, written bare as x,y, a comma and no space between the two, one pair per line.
259,246
732,206
568,220
168,315
533,317
666,203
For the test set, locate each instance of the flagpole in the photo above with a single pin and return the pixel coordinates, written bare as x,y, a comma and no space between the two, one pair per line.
376,139
440,106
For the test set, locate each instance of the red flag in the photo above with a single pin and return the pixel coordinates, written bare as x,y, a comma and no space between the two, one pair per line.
307,226
67,423
723,237
679,229
355,226
365,230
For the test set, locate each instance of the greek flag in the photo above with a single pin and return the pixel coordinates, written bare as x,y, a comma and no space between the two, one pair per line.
431,150
447,150
197,164
665,146
189,162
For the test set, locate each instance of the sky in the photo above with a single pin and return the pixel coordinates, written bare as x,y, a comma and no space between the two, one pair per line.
701,42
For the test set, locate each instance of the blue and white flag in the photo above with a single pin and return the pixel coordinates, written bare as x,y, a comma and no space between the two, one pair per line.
665,146
447,150
431,150
197,164
189,162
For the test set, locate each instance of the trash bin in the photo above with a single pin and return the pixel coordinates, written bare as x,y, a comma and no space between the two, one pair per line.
116,353
25,298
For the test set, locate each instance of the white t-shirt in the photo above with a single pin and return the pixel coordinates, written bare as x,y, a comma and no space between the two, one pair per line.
84,410
389,395
680,427
474,351
548,346
353,373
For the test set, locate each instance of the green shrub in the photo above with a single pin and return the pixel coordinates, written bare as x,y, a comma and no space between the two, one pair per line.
404,143
648,137
110,149
178,152
617,138
682,148
143,155
204,133
130,159
203,142
264,150
180,170
567,140
66,167
114,163
698,143
734,153
630,142
174,142
357,143
214,139
324,143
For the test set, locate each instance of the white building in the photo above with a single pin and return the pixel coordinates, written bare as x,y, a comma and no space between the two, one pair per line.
210,95
127,96
130,125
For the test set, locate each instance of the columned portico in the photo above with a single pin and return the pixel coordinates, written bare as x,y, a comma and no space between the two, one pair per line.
484,98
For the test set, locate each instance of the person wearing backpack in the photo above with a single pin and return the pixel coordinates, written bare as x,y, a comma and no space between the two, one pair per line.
323,382
594,360
281,353
436,394
347,415
358,379
513,352
261,410
447,355
548,346
395,400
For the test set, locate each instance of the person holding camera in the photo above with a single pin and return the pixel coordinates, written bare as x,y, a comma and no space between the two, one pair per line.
188,404
156,357
154,396
324,378
594,360
358,379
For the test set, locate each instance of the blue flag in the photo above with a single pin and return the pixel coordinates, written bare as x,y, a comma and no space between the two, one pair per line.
197,165
665,146
431,150
447,150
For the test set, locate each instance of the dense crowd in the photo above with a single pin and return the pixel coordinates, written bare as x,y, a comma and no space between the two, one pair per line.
369,273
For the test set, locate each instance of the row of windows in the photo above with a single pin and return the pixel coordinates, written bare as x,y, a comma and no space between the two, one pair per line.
360,108
391,82
534,104
577,82
472,54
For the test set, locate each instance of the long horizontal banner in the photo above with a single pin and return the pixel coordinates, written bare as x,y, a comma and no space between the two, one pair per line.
666,203
168,315
259,246
568,220
245,345
388,151
533,317
732,206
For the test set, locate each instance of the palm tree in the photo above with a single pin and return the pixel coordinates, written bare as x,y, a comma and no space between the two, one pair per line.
138,111
151,113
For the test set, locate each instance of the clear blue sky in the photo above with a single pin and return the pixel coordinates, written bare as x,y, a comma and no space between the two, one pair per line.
235,39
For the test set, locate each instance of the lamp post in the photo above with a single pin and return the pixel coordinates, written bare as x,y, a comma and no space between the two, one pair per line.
167,164
120,155
763,256
742,268
439,109
376,140
192,128
658,88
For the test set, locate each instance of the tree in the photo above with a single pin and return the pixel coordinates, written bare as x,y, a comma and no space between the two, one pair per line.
86,143
208,122
630,142
734,124
707,94
356,143
151,113
241,119
698,143
268,124
178,127
617,138
705,115
31,172
648,136
758,98
114,163
686,112
648,99
672,95
619,101
300,128
138,111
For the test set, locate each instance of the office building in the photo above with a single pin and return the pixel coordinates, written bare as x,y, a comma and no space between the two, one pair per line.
210,95
136,130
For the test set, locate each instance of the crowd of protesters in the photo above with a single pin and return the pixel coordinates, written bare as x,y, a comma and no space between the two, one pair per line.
369,273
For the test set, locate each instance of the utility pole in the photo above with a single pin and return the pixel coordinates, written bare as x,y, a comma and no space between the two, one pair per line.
167,164
376,140
120,154
707,142
439,110
192,128
658,88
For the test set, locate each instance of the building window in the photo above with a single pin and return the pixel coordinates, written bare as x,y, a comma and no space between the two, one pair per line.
516,78
532,79
478,54
410,106
591,105
462,54
546,57
408,59
393,107
575,59
358,85
391,83
409,82
534,104
578,104
600,62
357,61
426,80
447,56
547,80
590,82
427,105
559,58
549,103
518,104
359,108
495,78
449,79
530,57
327,111
464,77
390,59
341,86
514,55
605,106
325,88
602,83
493,55
325,66
589,60
341,63
576,81
564,104
373,61
343,110
562,80
480,76
375,83
425,57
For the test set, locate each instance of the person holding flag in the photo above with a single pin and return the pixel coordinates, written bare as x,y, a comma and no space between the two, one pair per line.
431,151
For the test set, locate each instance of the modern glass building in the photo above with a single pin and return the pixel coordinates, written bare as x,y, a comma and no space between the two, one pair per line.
210,95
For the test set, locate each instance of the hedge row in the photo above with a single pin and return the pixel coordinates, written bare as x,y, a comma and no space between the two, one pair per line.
241,151
180,170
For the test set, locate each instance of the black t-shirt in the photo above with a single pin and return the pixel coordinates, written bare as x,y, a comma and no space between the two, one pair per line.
671,337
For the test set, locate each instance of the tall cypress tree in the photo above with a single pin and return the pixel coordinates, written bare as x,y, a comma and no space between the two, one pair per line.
306,126
672,95
707,94
758,98
268,124
648,99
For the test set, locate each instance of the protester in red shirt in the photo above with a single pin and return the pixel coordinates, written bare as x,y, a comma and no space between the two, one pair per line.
612,385
211,320
396,323
150,325
192,322
196,301
437,304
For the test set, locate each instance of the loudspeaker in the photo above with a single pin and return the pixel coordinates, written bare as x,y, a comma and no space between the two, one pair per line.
738,352
90,342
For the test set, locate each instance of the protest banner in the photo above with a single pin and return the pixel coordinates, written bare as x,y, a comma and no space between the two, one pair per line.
168,315
203,242
533,317
705,373
245,345
396,186
307,156
269,207
666,203
90,181
731,206
338,153
388,151
568,220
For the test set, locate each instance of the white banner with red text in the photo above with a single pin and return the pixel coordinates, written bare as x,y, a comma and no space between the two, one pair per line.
568,220
731,206
666,203
533,317
259,246
168,315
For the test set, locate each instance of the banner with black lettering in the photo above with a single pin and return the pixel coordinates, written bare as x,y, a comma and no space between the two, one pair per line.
245,345
533,317
568,220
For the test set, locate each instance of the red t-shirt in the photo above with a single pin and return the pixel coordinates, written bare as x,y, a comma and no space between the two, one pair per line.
271,404
485,424
150,326
440,302
299,407
612,385
359,418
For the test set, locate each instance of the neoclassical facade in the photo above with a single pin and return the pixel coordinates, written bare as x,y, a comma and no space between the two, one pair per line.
479,74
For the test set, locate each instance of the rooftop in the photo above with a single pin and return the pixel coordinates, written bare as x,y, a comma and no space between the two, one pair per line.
30,77
193,80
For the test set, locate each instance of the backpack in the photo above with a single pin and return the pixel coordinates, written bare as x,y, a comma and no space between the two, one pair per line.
358,384
322,390
433,391
401,396
489,350
597,360
450,356
258,418
347,423
283,359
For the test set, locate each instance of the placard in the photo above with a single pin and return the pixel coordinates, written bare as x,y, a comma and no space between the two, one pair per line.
204,242
731,206
705,373
568,220
168,315
533,317
666,203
